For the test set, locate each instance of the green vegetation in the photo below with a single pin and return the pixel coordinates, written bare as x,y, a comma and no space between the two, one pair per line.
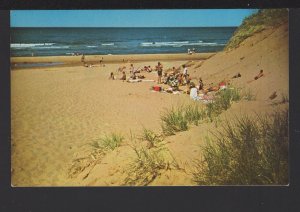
256,23
223,101
148,163
248,95
99,150
145,167
174,120
109,142
152,138
248,151
177,119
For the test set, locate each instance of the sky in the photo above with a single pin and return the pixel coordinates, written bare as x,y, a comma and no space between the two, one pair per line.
129,18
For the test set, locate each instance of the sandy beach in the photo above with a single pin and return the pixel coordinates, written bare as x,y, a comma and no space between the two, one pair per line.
57,111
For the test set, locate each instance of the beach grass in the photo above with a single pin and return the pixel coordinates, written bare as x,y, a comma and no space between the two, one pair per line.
152,138
246,151
255,23
248,95
146,167
108,142
223,101
173,120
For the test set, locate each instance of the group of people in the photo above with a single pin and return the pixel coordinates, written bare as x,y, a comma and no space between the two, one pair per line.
175,78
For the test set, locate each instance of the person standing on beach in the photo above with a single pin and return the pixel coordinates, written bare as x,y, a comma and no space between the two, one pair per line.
185,72
200,84
82,58
131,69
159,69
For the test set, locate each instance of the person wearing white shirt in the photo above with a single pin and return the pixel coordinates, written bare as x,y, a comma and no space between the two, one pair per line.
194,92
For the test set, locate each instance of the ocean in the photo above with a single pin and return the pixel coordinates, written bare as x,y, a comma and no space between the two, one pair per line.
95,41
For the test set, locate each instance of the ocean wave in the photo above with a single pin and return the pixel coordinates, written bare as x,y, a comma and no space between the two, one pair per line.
179,44
107,44
51,47
29,45
91,46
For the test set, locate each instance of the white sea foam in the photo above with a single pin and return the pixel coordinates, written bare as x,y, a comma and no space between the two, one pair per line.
179,44
52,47
107,44
29,45
91,46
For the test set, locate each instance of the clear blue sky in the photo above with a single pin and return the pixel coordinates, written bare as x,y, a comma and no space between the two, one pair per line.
129,18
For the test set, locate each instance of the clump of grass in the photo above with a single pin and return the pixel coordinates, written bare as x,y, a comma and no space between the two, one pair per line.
146,166
194,113
249,151
152,138
173,121
222,102
99,150
256,23
108,142
248,95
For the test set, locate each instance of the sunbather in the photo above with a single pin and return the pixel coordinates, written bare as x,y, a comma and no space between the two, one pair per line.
112,77
123,76
237,76
261,74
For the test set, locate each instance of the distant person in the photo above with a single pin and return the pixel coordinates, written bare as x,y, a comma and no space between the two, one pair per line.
101,61
112,77
123,76
82,58
261,74
237,75
200,84
131,69
185,72
159,69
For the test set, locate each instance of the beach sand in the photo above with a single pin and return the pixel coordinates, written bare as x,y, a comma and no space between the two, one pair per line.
57,111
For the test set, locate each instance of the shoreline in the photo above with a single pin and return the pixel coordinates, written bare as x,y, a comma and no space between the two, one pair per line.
107,59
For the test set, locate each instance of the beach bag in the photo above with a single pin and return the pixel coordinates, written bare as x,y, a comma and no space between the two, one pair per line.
157,88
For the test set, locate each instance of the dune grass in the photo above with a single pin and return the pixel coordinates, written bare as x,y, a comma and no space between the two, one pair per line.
178,119
99,149
223,101
108,142
173,120
255,23
247,151
145,167
152,138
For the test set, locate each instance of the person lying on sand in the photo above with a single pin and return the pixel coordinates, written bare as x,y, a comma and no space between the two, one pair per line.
237,75
133,76
123,76
261,74
112,77
212,88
